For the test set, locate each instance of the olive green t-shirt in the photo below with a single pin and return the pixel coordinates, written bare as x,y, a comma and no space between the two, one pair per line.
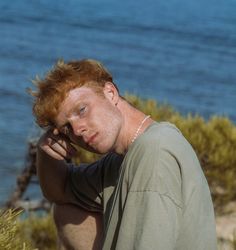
155,197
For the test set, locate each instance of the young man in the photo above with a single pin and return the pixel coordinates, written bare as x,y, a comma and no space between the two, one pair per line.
147,192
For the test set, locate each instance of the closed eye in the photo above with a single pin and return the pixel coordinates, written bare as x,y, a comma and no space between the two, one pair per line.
82,110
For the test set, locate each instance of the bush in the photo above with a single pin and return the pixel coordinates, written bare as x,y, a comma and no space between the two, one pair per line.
9,237
39,230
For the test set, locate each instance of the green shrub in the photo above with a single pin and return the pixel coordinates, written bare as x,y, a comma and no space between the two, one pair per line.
31,233
9,237
39,230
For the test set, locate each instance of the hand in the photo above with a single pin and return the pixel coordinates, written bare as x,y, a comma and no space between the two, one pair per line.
56,145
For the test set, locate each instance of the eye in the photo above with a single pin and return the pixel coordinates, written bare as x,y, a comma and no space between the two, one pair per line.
82,110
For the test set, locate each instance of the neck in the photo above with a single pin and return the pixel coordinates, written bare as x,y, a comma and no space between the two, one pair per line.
134,124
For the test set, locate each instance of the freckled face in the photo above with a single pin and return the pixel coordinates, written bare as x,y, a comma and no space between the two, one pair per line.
90,120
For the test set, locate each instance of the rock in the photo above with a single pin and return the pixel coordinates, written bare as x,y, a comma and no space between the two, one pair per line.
226,230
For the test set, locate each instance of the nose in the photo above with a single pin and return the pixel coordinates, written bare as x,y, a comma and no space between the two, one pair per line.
78,126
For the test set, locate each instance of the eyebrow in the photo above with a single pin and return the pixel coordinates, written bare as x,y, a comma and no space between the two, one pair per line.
75,106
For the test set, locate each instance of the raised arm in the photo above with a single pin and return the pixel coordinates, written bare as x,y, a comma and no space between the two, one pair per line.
53,151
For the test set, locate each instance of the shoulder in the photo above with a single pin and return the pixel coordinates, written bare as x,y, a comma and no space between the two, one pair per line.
153,146
157,135
149,166
162,148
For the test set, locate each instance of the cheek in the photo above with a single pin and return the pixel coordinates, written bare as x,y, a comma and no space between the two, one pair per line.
112,127
107,121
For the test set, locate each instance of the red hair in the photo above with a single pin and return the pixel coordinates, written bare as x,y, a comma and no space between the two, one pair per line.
52,90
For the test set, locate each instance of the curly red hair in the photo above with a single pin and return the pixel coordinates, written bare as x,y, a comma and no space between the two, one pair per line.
52,90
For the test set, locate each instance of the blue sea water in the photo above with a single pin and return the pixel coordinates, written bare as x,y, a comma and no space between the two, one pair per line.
182,52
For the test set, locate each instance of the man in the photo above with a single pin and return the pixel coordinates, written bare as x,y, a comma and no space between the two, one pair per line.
147,192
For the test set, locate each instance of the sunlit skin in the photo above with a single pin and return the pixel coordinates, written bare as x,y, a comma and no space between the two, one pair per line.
90,120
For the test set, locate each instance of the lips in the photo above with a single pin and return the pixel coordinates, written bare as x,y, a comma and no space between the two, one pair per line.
91,139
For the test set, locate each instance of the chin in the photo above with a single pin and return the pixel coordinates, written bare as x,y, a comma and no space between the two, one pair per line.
101,149
98,148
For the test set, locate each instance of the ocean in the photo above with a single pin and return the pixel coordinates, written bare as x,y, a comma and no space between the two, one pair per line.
180,52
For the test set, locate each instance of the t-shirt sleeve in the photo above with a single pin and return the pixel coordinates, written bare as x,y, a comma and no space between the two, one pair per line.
85,183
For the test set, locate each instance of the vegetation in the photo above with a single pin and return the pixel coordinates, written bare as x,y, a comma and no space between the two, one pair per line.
9,232
214,141
33,233
40,231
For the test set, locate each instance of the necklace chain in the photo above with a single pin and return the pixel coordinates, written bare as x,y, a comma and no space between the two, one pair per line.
138,129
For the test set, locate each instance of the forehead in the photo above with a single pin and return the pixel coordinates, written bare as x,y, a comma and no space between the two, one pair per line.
73,98
77,94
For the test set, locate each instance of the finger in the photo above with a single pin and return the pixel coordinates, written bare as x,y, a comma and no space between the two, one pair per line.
60,147
67,151
51,139
54,154
64,142
55,131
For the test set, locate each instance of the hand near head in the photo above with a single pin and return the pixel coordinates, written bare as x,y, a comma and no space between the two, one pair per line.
56,145
54,151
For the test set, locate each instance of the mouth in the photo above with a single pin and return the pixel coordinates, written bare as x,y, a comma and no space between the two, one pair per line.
91,139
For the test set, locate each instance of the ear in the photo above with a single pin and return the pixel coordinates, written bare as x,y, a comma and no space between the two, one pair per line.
111,93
